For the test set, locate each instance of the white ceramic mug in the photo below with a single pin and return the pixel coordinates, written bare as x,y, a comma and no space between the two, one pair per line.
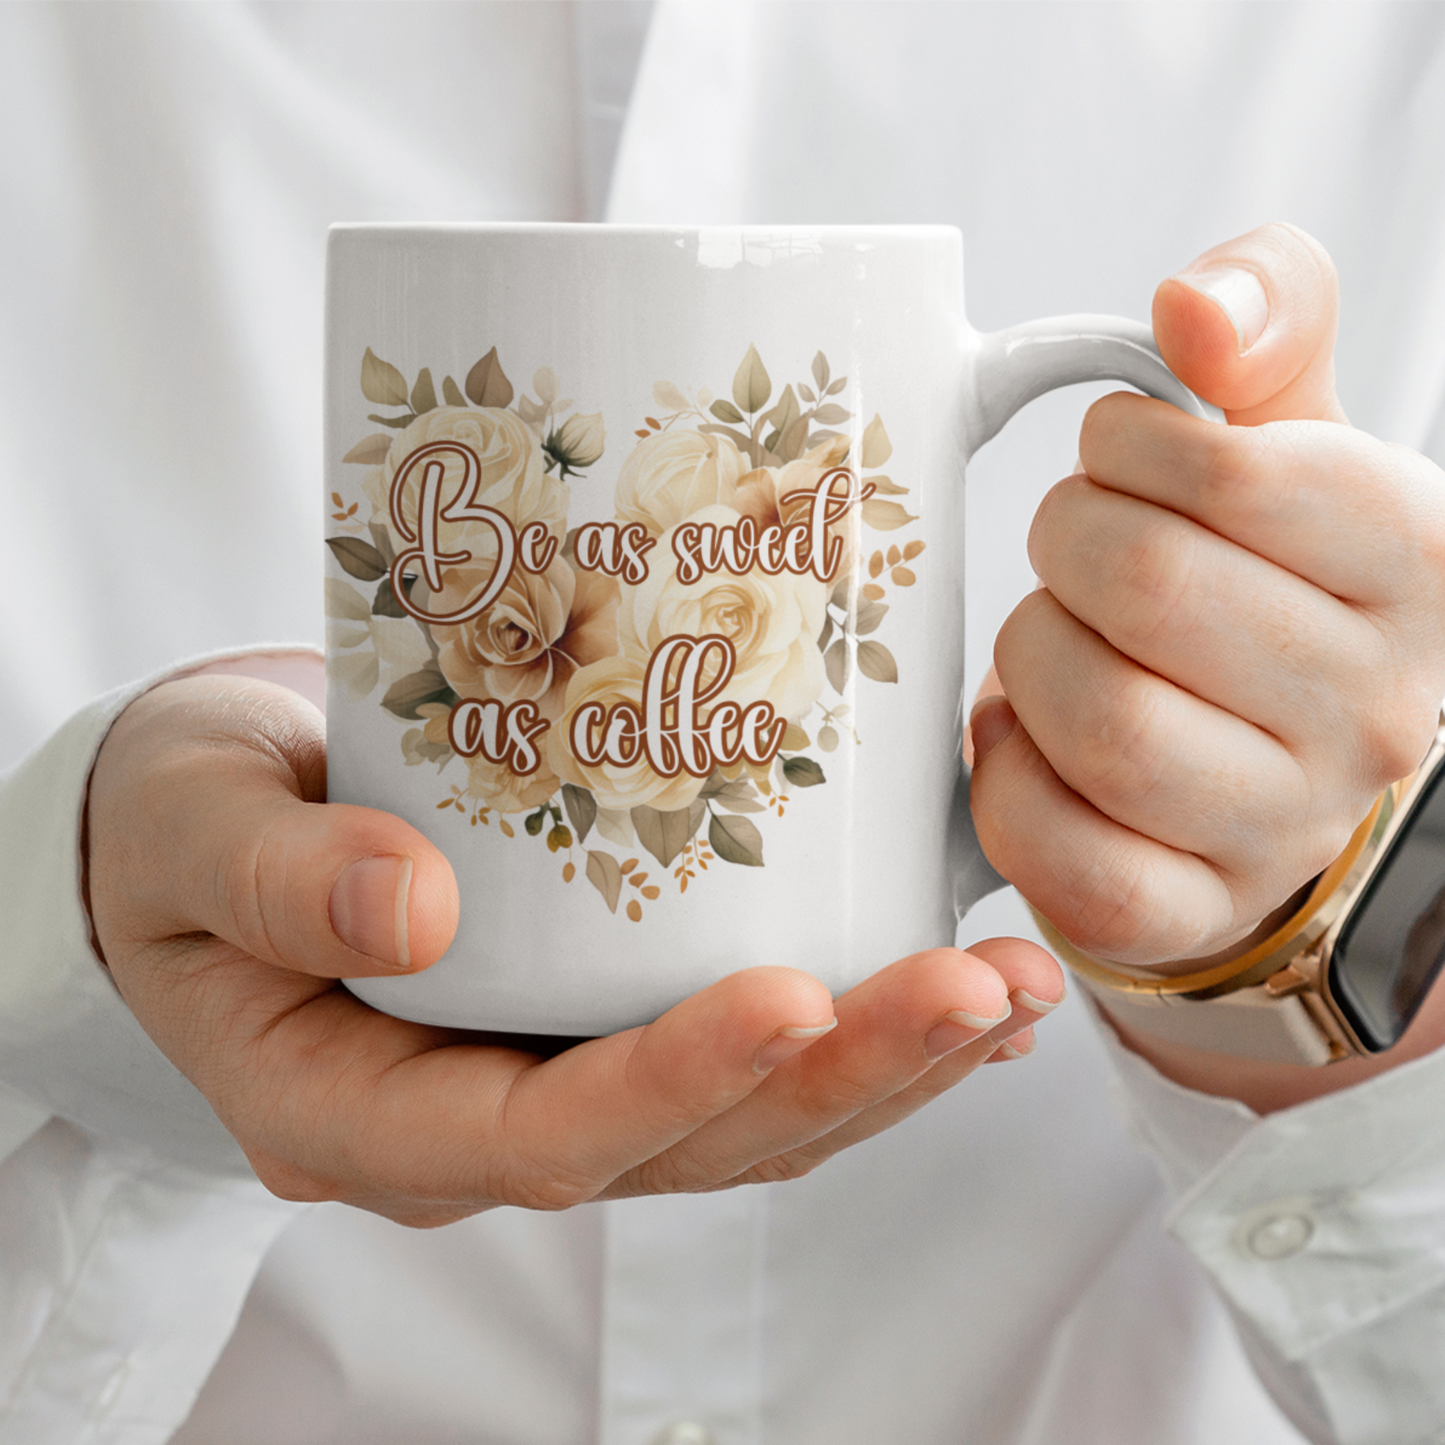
645,593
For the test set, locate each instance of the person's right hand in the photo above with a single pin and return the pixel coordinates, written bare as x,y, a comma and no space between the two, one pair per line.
228,899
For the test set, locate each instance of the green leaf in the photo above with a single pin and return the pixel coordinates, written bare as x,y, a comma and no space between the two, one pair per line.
423,394
487,383
752,385
384,604
870,614
875,661
803,772
382,538
534,822
358,558
736,840
371,451
604,874
581,809
452,393
664,835
876,447
394,421
381,382
404,697
725,411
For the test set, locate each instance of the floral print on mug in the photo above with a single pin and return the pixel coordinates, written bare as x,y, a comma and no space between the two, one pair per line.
646,685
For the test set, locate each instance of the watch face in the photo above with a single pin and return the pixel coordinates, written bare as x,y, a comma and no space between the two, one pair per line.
1391,947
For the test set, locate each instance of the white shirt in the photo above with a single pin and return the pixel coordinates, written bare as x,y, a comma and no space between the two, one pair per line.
995,1270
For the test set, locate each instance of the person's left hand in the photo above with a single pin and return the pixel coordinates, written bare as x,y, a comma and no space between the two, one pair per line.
1240,637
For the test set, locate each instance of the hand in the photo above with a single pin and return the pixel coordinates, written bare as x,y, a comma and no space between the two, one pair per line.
227,901
1240,637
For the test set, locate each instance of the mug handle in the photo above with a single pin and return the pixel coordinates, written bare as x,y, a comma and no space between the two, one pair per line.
1010,369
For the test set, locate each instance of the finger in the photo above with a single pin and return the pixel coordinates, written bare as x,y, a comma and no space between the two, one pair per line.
1210,616
379,1111
212,783
1035,985
1109,890
889,1029
1250,326
1145,752
1351,514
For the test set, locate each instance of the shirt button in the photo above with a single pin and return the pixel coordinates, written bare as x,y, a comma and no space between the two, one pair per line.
683,1432
1277,1236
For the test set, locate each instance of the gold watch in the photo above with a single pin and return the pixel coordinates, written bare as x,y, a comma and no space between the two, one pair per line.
1343,975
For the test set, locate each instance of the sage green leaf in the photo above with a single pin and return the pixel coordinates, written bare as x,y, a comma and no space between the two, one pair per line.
384,604
826,635
581,809
398,422
487,383
358,558
371,451
831,414
876,447
821,372
534,821
843,591
807,392
837,665
382,538
803,772
423,394
452,393
604,874
344,602
795,440
736,840
381,382
885,516
837,386
725,411
412,692
870,614
752,386
664,835
738,796
875,661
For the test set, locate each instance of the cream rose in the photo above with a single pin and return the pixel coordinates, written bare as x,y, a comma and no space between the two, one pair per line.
495,785
605,683
772,622
671,475
532,637
513,480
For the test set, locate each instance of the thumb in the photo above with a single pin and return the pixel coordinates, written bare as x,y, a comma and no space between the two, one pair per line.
1250,326
205,816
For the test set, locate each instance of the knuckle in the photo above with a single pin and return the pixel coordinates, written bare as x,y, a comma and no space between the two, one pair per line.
292,1182
1229,484
1120,753
1157,572
1115,906
1395,734
544,1191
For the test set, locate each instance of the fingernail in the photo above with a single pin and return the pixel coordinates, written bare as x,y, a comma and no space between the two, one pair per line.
368,909
1237,293
990,722
1024,999
1014,1051
789,1040
955,1029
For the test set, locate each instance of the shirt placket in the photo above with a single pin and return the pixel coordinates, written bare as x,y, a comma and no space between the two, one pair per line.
682,1309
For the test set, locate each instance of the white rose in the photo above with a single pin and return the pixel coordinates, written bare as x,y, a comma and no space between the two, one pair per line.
671,475
772,622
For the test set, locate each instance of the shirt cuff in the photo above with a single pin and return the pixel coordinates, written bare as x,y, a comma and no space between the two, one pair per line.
68,1043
